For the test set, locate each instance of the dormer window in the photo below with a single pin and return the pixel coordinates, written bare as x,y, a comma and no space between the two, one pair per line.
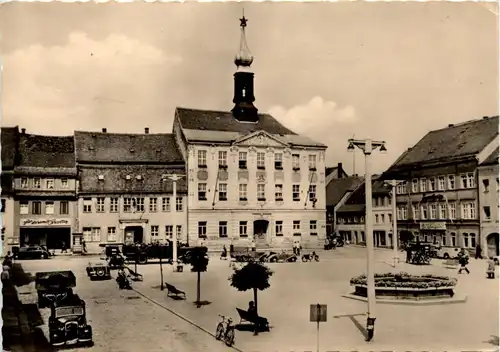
138,177
91,147
128,177
242,163
100,177
132,150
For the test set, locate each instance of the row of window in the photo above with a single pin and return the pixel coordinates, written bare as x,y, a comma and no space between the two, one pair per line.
47,207
222,192
93,234
261,160
439,183
381,202
131,204
438,211
468,239
243,228
379,219
36,182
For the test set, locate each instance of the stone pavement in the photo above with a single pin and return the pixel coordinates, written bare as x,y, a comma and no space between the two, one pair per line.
467,326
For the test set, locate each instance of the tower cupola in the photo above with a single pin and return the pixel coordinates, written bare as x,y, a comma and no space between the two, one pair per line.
244,110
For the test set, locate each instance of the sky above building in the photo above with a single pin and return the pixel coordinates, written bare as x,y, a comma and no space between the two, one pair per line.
331,71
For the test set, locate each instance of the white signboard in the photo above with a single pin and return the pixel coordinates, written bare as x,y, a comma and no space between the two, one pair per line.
45,222
439,225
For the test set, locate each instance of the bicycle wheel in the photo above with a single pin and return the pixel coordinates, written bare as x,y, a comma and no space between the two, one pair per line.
219,332
229,337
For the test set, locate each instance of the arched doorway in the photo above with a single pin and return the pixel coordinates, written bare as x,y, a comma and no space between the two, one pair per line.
260,232
492,243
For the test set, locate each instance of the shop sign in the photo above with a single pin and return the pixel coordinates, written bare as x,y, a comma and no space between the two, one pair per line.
45,222
440,225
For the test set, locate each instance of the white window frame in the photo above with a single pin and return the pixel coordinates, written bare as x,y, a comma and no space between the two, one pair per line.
452,211
222,159
278,192
99,204
278,227
415,212
63,207
139,205
296,161
34,210
261,191
178,228
278,161
452,182
50,183
261,160
312,193
243,228
296,193
424,212
153,204
24,208
296,225
37,182
202,229
96,234
165,204
114,204
469,210
169,232
242,160
414,185
87,205
202,158
64,182
243,192
313,227
432,184
202,191
222,192
24,182
155,232
472,240
87,234
433,211
312,161
222,229
50,208
111,234
423,185
441,183
442,211
179,204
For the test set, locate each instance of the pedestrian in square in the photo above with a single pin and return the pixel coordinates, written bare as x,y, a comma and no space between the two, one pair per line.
479,252
84,246
63,247
463,260
490,271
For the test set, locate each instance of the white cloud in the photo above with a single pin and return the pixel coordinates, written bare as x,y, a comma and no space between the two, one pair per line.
79,81
326,122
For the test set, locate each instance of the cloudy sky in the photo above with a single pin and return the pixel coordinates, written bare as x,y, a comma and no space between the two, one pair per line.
387,71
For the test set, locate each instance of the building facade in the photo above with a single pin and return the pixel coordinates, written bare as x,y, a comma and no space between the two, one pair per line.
250,179
488,204
351,215
45,191
125,188
437,200
10,156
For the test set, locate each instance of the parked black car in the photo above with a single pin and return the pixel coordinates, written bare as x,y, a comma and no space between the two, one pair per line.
32,252
68,323
54,286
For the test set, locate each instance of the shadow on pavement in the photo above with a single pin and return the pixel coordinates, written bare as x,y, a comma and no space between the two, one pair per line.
19,277
40,341
360,327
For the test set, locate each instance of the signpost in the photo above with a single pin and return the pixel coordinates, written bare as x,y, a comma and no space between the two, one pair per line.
317,314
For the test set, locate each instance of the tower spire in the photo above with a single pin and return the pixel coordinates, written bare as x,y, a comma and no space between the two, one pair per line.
243,58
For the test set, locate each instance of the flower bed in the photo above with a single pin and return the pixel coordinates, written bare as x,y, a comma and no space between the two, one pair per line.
406,286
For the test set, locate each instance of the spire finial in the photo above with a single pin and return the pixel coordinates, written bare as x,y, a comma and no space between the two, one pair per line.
243,58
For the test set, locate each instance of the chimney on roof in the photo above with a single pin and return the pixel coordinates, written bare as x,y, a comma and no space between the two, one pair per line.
451,125
146,130
340,172
104,130
485,117
23,130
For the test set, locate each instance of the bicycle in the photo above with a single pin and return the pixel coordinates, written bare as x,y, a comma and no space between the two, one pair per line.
225,330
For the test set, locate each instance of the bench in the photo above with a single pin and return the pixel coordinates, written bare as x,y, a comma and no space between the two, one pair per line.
450,263
174,291
260,322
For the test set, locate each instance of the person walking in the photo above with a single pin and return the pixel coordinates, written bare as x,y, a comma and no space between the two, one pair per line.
490,271
224,252
84,246
64,248
463,260
479,252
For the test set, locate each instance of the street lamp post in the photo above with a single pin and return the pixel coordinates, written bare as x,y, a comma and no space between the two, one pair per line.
368,146
174,178
394,184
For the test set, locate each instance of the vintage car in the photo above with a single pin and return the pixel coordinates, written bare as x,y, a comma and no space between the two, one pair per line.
282,257
68,323
54,286
32,252
98,270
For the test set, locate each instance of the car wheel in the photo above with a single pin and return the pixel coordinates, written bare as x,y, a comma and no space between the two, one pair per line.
273,260
495,261
446,256
100,272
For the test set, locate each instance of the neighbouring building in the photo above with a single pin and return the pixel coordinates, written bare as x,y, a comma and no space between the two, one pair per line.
125,191
45,191
251,179
10,156
334,172
438,202
338,190
351,215
488,204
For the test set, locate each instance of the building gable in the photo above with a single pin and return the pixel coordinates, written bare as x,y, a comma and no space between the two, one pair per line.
260,139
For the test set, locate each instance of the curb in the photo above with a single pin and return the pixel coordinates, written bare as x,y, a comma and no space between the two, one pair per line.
182,317
401,302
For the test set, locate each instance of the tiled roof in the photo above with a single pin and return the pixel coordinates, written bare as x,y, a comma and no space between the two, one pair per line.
459,140
115,179
45,171
491,159
351,208
98,147
46,151
379,187
9,139
224,121
337,188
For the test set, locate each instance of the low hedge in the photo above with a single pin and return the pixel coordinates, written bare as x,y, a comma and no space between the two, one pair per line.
404,280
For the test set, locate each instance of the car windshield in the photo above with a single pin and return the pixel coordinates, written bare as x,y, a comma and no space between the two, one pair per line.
68,311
